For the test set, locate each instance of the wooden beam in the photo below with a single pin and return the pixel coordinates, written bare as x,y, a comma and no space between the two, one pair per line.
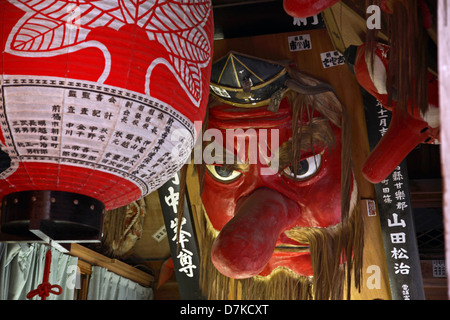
444,95
84,266
346,26
113,265
426,193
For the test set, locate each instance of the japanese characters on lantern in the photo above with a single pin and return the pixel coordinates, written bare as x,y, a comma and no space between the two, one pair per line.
97,126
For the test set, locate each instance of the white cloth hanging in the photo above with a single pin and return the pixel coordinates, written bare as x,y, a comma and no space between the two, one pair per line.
22,269
106,285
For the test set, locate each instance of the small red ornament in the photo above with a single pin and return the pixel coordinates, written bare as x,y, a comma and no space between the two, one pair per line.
306,8
45,288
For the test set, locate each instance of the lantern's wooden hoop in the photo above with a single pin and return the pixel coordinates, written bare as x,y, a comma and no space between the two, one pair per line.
53,216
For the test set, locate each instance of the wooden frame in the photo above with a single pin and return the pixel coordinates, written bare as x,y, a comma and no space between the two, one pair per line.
88,258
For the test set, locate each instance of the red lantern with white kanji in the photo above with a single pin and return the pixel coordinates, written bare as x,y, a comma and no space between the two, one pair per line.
98,100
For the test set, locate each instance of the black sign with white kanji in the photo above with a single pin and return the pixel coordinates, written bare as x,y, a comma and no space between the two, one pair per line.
396,215
184,248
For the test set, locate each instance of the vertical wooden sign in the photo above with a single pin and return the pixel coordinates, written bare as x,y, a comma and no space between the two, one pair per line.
396,216
184,250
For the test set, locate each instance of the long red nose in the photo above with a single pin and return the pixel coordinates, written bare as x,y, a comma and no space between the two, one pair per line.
246,243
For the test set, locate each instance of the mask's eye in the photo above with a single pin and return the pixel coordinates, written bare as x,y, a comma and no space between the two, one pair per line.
305,168
222,173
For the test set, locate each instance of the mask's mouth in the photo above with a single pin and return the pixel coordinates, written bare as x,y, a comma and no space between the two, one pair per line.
286,245
291,249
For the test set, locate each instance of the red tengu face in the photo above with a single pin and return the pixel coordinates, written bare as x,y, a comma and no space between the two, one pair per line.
252,206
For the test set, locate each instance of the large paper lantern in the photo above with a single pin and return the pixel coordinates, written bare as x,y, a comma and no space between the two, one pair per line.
98,103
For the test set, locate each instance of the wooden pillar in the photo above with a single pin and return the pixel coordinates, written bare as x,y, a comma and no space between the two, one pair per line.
444,95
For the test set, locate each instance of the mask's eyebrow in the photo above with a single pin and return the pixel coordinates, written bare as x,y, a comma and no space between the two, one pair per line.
236,166
229,160
317,133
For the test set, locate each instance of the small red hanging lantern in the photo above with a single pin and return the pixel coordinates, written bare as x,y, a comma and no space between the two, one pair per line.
97,107
306,8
